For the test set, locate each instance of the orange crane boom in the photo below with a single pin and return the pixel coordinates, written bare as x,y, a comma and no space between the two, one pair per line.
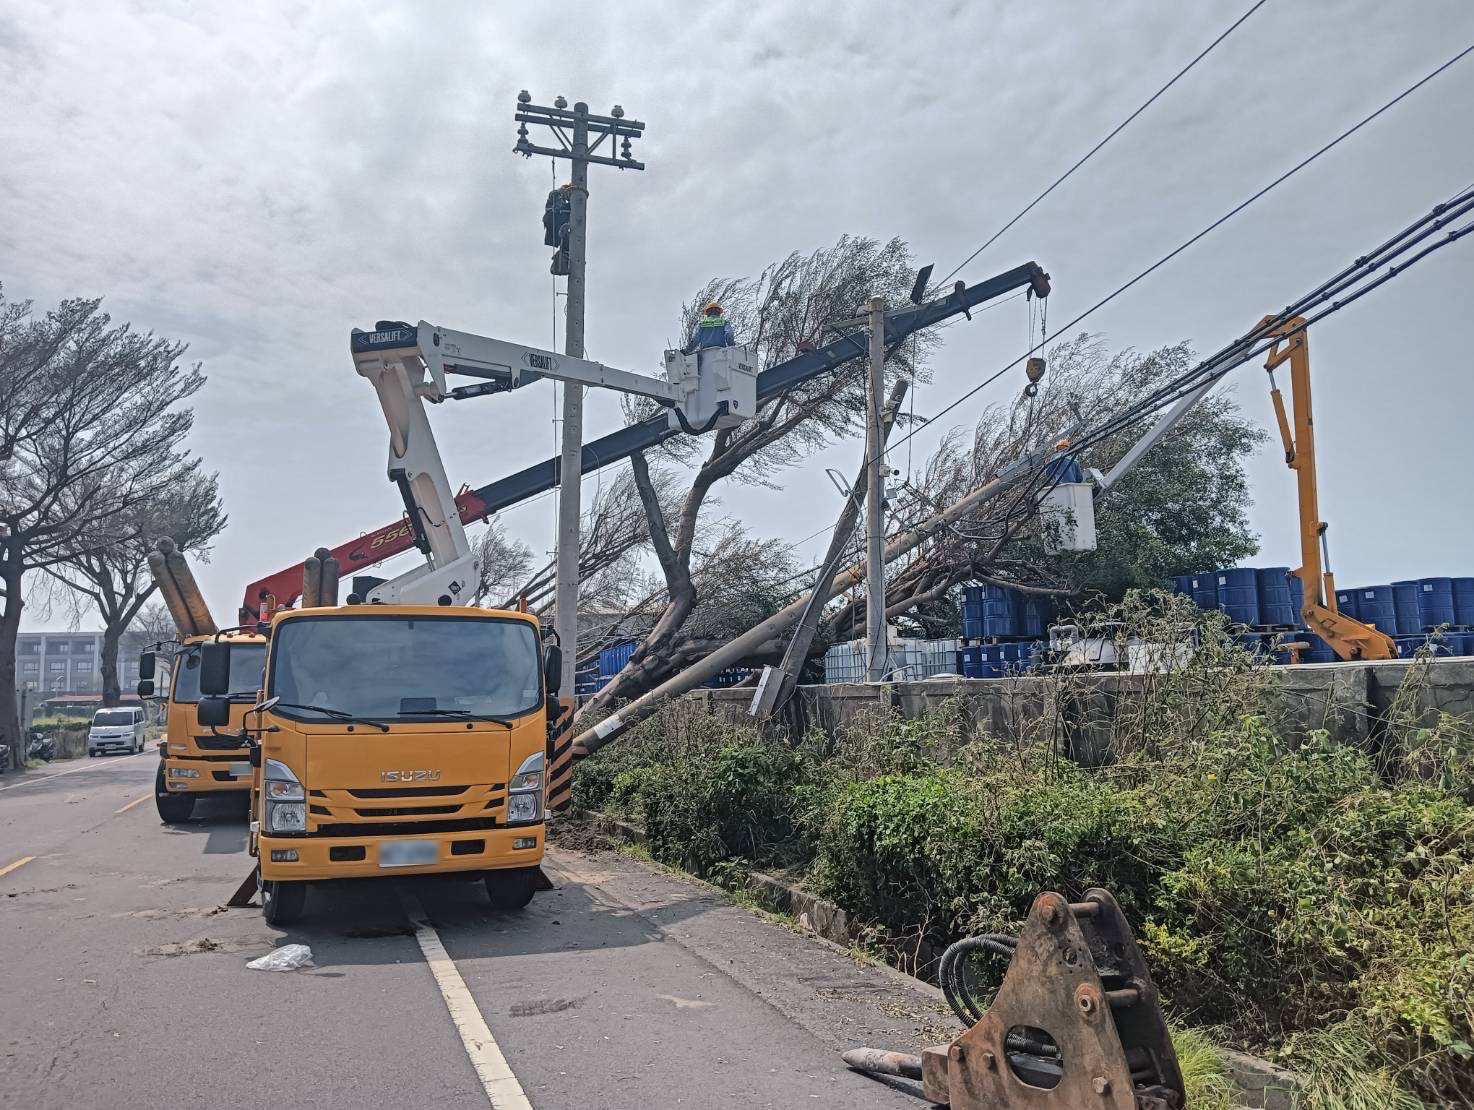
1349,638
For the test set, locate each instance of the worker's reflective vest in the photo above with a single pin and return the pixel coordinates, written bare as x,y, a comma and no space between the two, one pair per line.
712,331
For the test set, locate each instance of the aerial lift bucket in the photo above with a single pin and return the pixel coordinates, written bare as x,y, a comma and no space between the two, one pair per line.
1076,1023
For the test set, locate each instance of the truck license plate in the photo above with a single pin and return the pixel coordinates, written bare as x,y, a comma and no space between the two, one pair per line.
240,770
408,853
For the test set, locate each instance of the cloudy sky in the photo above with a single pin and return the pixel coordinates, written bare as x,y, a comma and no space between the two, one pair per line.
259,178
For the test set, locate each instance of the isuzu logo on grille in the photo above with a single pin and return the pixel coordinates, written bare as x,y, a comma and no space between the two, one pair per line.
409,776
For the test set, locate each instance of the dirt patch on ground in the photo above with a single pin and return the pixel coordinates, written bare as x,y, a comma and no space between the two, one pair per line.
204,945
577,834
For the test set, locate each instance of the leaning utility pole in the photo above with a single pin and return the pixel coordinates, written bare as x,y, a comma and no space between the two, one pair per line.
573,130
877,650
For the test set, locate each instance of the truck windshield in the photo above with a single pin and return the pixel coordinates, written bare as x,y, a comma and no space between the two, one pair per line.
406,667
247,662
113,717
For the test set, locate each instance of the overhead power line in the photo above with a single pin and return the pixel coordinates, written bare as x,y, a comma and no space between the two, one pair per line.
1159,263
1370,271
1060,180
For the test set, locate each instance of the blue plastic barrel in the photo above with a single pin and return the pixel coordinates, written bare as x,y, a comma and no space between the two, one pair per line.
970,661
1463,601
1275,606
1000,611
1204,588
973,610
1435,602
1376,606
1035,612
1461,643
992,661
1349,603
973,595
1297,598
1405,607
1252,642
1182,584
1407,646
972,628
1238,594
1319,652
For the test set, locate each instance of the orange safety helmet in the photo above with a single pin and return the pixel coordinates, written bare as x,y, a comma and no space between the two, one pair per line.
713,309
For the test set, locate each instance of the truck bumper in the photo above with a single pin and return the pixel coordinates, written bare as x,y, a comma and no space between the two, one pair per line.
213,776
321,858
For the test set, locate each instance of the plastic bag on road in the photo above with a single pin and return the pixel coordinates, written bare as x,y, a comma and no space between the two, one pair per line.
289,957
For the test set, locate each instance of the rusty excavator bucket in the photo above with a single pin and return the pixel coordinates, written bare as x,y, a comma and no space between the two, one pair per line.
1076,1024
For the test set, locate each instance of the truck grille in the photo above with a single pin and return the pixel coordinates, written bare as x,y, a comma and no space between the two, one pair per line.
404,828
380,811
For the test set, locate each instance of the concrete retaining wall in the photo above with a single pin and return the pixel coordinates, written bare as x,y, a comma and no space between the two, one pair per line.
1349,700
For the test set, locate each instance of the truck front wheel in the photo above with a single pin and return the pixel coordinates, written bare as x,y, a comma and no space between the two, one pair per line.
511,890
282,902
174,809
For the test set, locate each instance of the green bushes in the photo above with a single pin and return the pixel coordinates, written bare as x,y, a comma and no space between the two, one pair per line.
1306,899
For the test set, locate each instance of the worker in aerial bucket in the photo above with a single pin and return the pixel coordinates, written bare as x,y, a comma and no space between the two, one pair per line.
712,330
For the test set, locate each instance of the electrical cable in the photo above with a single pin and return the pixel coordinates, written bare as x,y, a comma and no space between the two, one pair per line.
1258,340
1194,239
1093,150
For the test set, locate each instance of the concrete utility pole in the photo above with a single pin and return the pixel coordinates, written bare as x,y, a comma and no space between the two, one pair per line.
573,130
877,650
778,683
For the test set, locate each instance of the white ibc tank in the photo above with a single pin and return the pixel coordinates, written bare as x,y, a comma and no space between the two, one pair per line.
705,379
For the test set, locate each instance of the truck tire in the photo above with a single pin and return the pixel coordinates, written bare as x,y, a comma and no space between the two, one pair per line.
282,902
174,809
511,890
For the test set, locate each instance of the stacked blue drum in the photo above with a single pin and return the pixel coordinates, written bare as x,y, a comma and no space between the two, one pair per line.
1009,622
1268,600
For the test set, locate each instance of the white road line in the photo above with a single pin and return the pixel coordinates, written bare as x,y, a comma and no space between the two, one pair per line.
503,1091
90,765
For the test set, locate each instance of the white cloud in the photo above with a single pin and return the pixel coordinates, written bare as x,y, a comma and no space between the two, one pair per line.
258,179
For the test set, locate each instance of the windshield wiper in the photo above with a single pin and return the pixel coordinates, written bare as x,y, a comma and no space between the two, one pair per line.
460,714
335,714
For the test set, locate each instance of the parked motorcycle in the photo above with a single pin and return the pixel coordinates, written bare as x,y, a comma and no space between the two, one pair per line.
41,747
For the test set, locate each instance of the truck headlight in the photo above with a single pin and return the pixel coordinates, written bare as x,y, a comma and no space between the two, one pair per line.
286,817
284,799
523,808
525,792
183,773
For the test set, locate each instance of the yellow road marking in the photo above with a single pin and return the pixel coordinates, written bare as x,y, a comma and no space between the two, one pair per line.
9,867
134,802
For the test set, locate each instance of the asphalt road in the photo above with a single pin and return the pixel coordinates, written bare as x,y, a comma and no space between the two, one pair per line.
124,984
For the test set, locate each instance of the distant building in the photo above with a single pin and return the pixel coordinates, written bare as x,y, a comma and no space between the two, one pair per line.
55,663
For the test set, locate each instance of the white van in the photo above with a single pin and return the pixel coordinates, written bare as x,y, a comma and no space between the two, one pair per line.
116,730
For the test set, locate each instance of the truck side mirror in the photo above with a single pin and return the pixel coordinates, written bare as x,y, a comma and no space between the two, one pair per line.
145,687
214,669
214,711
553,668
145,665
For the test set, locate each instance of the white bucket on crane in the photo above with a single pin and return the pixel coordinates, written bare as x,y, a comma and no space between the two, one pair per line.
1068,515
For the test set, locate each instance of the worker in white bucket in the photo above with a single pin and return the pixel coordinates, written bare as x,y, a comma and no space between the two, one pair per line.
712,330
